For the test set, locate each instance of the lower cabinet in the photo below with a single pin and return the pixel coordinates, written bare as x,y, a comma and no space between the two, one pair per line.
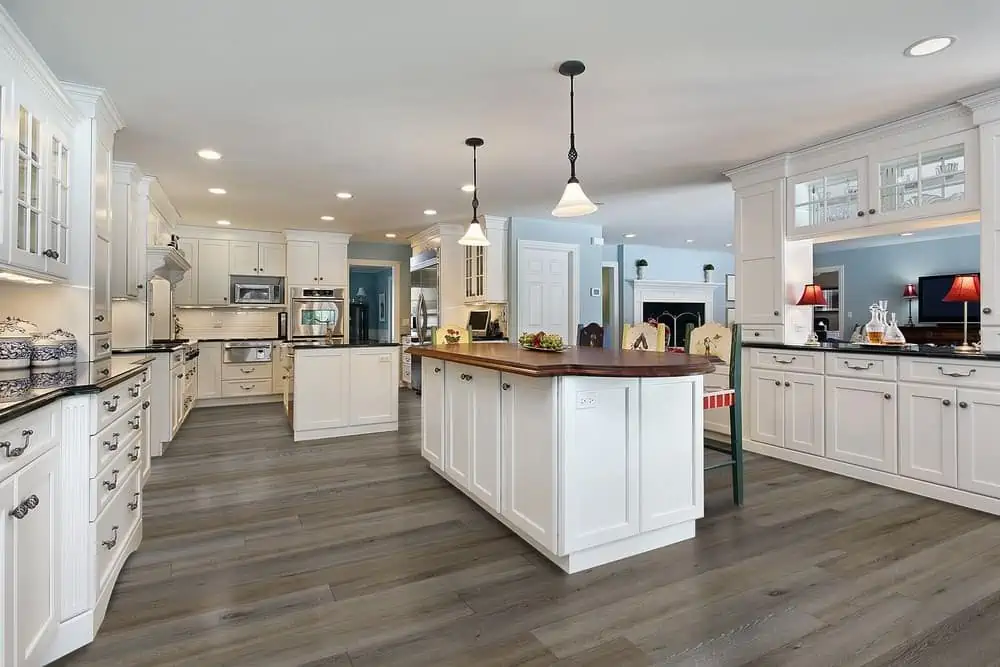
787,410
928,433
472,439
432,412
321,390
8,501
861,421
374,391
209,370
978,437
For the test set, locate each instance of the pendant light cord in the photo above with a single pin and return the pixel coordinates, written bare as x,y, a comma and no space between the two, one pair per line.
475,186
572,134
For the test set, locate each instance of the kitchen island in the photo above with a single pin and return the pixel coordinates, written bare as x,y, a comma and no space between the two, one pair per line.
589,455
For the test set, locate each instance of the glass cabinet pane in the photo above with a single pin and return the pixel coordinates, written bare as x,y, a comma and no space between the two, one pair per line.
922,178
827,199
22,130
22,227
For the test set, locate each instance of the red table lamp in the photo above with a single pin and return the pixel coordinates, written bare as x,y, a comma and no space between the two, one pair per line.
964,289
910,293
812,295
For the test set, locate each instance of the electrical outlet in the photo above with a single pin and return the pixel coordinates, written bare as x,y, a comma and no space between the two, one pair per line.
595,291
596,240
585,400
850,314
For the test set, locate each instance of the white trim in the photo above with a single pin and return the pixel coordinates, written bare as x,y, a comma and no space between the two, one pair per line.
317,237
985,106
573,249
616,304
392,317
344,431
186,231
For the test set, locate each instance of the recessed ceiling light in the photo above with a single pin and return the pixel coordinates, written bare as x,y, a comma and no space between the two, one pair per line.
209,154
430,211
222,222
390,235
629,236
328,218
689,241
907,234
217,191
729,245
344,195
468,187
928,46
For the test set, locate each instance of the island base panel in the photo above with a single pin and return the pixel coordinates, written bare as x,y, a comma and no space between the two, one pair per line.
343,431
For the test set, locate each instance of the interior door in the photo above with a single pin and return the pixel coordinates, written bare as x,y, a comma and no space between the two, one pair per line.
543,292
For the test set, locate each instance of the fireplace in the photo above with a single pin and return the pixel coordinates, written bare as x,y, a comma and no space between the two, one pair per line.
679,316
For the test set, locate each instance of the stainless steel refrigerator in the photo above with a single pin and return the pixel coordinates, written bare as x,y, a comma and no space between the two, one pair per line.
424,282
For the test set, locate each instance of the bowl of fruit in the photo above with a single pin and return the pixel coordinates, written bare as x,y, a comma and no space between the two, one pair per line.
542,342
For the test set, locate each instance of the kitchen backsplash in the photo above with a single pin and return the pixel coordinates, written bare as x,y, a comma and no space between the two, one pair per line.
215,323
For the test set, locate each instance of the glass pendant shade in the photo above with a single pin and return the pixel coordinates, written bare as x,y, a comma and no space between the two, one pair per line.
474,235
574,202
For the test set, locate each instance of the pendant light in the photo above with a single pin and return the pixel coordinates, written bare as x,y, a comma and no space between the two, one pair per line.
574,202
474,236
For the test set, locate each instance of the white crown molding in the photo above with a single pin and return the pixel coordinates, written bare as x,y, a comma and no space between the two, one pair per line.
20,50
158,197
126,172
496,222
229,234
985,106
95,102
307,235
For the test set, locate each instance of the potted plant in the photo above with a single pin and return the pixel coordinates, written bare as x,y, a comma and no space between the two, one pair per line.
709,270
640,268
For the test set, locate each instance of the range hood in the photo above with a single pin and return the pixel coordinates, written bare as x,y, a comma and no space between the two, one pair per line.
167,262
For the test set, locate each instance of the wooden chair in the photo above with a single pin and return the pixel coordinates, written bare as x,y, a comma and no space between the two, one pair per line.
645,337
447,335
591,335
725,397
712,340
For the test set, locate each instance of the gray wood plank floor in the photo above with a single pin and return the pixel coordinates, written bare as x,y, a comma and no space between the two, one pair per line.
261,552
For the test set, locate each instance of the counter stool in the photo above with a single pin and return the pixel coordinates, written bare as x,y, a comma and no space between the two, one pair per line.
716,398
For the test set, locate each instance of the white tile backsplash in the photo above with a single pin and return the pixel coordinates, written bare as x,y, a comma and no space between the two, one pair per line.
219,322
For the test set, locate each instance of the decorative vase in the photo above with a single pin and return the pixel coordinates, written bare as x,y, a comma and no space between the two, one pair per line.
640,272
709,274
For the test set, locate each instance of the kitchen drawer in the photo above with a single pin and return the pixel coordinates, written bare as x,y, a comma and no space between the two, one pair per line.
176,359
25,438
107,444
147,376
246,371
872,366
113,527
100,347
232,388
955,373
109,405
787,360
104,487
761,334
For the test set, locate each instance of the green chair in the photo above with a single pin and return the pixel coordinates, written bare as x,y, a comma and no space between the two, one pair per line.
735,404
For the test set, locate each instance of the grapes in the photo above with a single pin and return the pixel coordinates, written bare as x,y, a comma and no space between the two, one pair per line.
541,340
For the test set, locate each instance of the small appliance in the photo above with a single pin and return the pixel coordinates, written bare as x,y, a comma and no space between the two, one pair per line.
256,290
479,322
283,325
246,351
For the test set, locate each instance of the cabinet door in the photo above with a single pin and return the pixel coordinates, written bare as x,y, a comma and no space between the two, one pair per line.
147,437
333,264
213,273
374,386
271,259
28,242
102,286
177,382
459,420
928,433
432,411
804,412
58,232
861,422
760,299
978,454
303,263
8,501
186,291
322,387
209,370
244,259
529,446
36,553
484,480
828,200
767,407
278,373
989,236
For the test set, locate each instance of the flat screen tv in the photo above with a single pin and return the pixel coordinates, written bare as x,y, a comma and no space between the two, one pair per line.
931,291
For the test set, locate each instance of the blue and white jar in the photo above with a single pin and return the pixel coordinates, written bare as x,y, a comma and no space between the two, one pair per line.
52,377
14,384
67,346
45,350
15,343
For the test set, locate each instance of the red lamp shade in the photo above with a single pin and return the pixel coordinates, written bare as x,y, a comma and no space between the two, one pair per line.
812,295
910,291
963,288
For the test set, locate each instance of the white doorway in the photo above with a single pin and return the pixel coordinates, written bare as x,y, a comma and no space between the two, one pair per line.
382,293
548,297
610,305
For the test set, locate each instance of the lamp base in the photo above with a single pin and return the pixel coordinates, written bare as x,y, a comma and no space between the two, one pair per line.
965,348
813,339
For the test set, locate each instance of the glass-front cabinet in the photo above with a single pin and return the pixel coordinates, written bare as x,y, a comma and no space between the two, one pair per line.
934,178
829,199
29,242
57,250
475,273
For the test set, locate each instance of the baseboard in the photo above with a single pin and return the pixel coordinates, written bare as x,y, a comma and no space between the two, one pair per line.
236,400
918,487
343,431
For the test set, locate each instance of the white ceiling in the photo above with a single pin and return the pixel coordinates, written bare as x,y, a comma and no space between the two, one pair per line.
309,97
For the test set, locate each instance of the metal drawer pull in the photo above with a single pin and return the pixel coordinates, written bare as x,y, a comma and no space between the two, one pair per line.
246,388
110,544
134,505
113,444
145,405
505,386
134,455
783,361
21,511
246,370
112,405
866,367
17,451
957,375
133,391
113,484
135,422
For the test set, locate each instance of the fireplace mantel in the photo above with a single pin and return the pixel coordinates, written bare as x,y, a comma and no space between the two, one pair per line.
672,290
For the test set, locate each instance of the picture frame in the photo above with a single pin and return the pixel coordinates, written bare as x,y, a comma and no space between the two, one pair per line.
730,287
381,307
730,316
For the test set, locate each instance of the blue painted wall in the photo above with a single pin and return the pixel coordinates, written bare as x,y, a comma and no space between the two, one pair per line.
881,272
393,252
374,283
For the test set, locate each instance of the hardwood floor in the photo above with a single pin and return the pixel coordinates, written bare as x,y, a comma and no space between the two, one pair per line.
261,552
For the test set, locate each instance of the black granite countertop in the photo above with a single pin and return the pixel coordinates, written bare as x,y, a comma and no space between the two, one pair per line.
939,351
309,344
27,389
227,339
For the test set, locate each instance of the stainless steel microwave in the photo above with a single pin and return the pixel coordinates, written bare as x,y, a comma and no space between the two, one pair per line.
256,290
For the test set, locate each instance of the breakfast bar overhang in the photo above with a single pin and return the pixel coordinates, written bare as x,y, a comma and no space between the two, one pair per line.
590,455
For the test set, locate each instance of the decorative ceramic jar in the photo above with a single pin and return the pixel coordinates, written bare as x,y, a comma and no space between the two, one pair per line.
14,384
67,346
15,343
52,377
45,350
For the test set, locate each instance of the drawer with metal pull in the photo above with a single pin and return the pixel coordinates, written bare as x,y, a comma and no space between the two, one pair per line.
755,334
787,360
954,372
114,525
24,439
109,405
104,487
246,371
873,366
111,440
232,388
100,347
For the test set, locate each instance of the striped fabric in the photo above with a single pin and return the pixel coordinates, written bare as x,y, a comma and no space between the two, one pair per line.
718,397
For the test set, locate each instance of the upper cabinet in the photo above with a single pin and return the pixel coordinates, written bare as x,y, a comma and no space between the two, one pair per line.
828,199
213,273
250,258
316,259
128,243
485,267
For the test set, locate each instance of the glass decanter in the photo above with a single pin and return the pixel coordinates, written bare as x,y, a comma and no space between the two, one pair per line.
875,329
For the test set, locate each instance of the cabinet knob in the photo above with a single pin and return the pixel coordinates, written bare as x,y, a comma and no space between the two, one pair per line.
872,211
105,346
139,286
776,313
505,386
777,383
225,298
321,278
887,396
788,384
987,310
963,404
861,214
946,402
99,318
756,333
437,370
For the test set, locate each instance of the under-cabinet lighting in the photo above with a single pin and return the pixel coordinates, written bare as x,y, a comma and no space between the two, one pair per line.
27,280
928,46
629,236
430,211
217,191
907,234
729,245
344,195
223,222
689,241
468,187
209,154
326,218
390,235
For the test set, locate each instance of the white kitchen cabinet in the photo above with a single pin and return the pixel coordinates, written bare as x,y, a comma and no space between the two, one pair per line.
101,288
209,370
432,411
767,407
186,291
177,385
828,200
485,267
58,253
271,258
302,263
213,272
244,259
35,557
530,454
928,435
332,264
146,438
279,374
989,236
374,385
759,281
459,410
786,410
128,231
316,259
322,390
861,422
485,463
8,501
29,239
978,453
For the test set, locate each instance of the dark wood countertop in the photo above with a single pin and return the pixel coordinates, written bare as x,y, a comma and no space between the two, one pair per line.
585,361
